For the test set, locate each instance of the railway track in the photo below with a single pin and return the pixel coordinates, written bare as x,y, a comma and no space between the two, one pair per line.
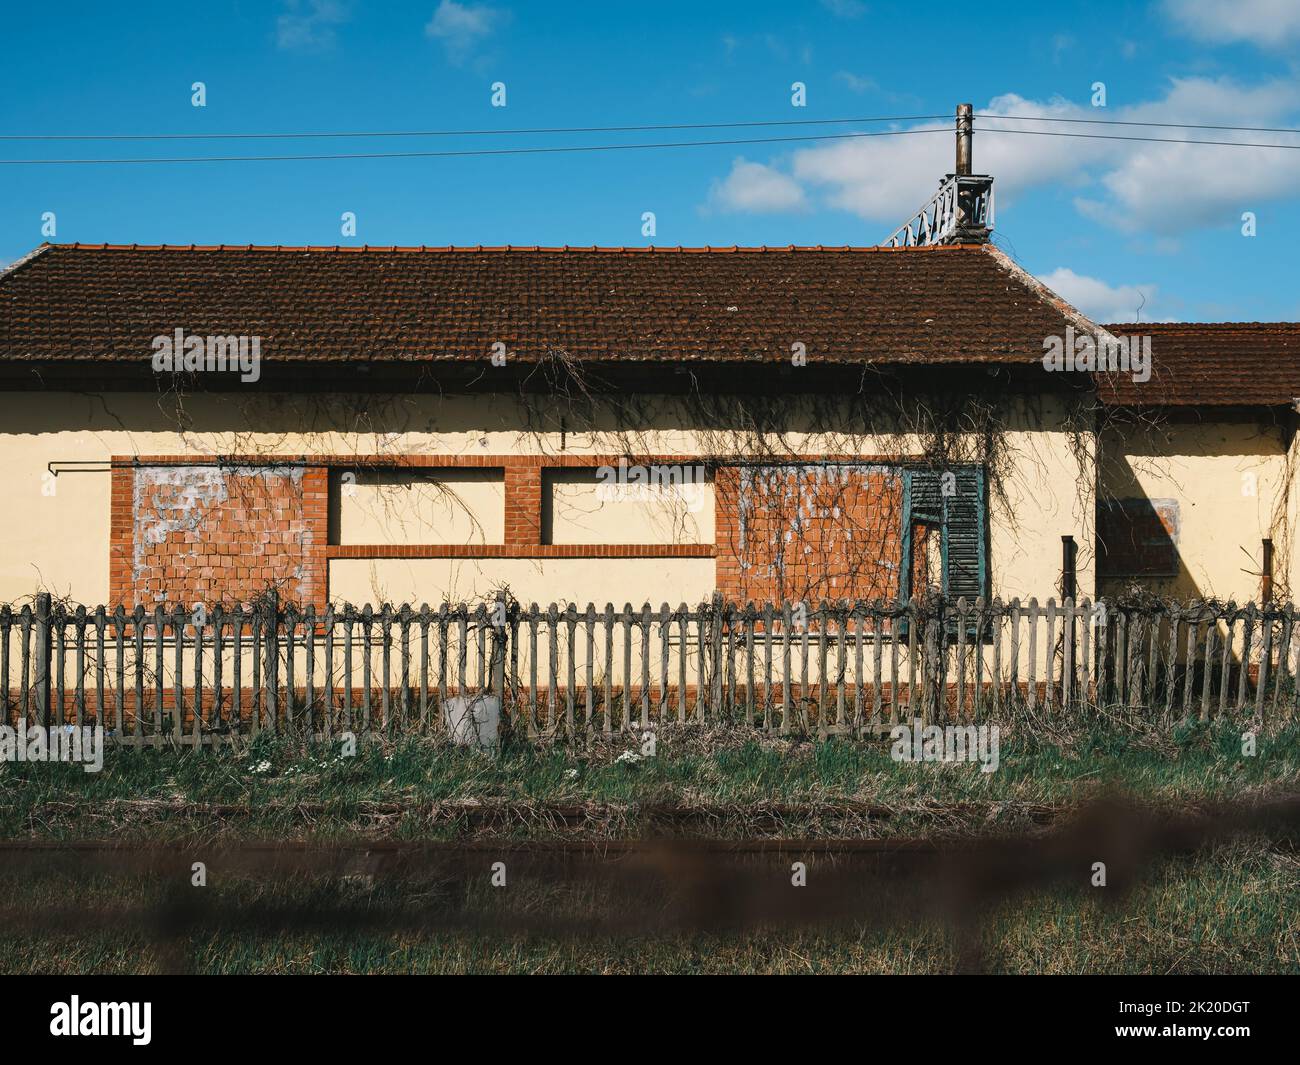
576,888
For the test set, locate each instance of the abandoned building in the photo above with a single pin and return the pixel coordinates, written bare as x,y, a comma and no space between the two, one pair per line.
584,424
426,423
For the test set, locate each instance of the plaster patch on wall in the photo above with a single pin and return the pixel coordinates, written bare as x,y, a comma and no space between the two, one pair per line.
199,489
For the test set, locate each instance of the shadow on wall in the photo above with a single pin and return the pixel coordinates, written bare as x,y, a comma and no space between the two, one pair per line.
1184,507
876,410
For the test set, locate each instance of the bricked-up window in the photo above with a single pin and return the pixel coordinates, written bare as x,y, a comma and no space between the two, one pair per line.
850,531
217,533
809,532
1137,538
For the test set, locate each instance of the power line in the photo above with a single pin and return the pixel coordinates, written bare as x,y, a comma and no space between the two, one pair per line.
569,149
549,130
1122,137
1162,125
455,132
469,152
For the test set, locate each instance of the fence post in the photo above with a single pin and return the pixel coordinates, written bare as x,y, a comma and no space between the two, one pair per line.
497,669
271,650
41,649
933,672
715,644
1069,593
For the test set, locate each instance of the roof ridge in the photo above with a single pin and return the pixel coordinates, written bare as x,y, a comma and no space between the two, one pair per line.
23,260
1041,291
480,248
1191,327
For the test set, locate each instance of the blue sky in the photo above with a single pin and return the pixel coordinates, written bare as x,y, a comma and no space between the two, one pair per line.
1114,226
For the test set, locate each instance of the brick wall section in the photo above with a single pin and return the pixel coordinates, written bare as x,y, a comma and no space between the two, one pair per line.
523,491
121,542
188,534
808,532
181,533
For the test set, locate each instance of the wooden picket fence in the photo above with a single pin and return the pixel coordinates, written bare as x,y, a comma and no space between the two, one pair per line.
154,677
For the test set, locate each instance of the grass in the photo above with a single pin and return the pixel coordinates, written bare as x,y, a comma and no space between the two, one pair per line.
1233,906
278,789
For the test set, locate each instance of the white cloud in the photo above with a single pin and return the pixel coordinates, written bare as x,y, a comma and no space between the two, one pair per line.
1265,23
309,25
1169,188
1129,185
855,82
755,187
885,179
1102,302
462,27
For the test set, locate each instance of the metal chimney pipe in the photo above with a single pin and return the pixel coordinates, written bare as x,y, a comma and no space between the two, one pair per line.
965,137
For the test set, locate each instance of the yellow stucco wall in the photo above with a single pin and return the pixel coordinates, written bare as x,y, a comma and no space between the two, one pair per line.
563,580
60,542
420,507
1231,481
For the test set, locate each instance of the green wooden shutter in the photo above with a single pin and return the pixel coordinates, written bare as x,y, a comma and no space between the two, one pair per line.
965,566
961,512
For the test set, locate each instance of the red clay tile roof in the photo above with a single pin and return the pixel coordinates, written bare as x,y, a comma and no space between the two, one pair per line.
957,304
1215,364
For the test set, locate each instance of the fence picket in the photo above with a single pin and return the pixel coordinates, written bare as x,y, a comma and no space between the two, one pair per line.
1265,654
665,634
1171,667
1281,674
1014,693
877,672
1033,653
101,620
645,665
534,726
590,619
1225,664
787,622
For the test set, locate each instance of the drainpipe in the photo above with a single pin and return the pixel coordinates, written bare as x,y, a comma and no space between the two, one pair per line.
1069,556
